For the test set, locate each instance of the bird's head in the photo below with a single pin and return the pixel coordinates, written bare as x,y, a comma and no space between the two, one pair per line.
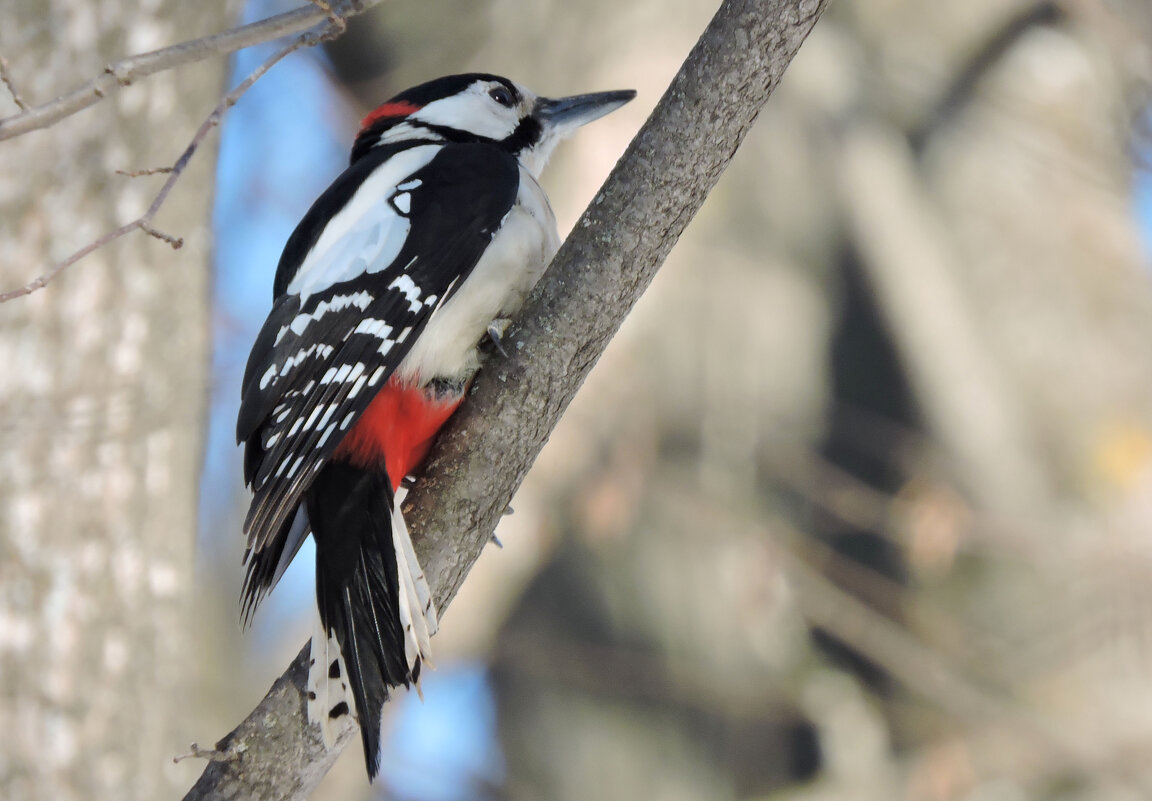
484,108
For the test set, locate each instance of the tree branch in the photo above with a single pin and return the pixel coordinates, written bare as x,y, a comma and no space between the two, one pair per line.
144,221
599,273
129,70
6,79
990,53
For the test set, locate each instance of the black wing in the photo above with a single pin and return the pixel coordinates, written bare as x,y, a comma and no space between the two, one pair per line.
352,306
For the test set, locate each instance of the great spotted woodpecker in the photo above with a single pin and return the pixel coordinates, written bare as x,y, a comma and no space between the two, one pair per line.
430,239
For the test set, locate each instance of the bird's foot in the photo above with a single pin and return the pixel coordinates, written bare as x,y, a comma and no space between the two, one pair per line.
496,330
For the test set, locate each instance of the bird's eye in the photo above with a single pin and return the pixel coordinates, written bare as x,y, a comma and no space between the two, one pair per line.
501,95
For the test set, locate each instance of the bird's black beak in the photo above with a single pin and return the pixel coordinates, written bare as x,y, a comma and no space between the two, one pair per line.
566,114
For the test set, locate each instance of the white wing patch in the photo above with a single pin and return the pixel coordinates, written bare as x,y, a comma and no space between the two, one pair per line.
402,202
300,322
412,292
275,371
376,327
269,374
367,234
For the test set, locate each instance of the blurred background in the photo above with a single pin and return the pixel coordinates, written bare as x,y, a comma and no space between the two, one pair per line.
858,504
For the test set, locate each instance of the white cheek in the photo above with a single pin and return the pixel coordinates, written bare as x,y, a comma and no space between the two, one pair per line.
470,112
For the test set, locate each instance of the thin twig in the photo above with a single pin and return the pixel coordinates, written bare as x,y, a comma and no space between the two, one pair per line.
333,17
128,70
149,171
6,79
990,53
176,242
210,754
144,221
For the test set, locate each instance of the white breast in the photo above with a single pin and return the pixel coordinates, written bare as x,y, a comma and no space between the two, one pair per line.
511,265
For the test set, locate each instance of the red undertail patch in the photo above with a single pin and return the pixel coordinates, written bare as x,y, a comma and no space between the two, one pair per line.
398,109
397,429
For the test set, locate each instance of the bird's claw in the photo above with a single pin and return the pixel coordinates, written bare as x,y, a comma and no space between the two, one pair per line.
496,330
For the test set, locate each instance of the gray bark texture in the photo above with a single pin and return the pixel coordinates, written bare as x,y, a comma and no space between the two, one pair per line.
602,269
103,396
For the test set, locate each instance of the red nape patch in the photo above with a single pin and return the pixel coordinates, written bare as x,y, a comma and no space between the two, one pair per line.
398,109
397,429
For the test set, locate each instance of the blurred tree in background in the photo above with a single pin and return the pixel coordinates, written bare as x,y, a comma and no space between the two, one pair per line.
857,506
103,392
892,391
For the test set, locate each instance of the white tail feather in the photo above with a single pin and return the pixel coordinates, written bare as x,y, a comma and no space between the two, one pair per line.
325,694
423,593
417,618
417,610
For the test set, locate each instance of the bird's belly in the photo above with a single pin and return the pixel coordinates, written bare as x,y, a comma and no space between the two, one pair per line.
497,287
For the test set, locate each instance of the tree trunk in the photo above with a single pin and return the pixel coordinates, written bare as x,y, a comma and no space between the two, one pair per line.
103,395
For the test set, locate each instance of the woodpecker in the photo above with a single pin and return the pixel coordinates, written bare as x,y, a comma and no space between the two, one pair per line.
426,243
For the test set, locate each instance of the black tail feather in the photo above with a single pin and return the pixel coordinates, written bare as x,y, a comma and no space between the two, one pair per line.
265,567
357,589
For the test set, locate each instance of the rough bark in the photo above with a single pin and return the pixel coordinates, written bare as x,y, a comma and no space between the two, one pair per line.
103,391
600,272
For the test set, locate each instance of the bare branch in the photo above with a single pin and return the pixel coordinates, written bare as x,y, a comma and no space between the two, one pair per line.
599,273
990,52
6,79
144,221
196,752
148,171
176,242
129,70
42,281
333,16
